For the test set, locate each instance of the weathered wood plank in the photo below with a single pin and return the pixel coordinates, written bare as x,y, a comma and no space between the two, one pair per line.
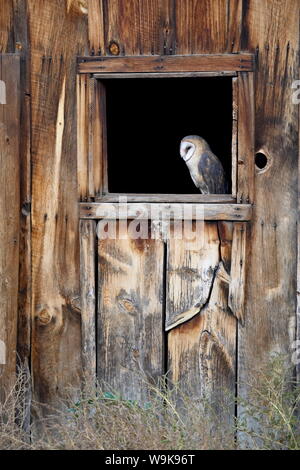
9,216
91,137
234,143
272,28
185,269
201,27
88,298
192,63
202,351
21,37
237,285
197,198
7,44
99,210
245,160
109,76
137,27
58,32
96,137
130,314
82,136
96,26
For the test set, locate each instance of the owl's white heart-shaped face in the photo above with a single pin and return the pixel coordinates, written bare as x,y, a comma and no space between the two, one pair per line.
187,150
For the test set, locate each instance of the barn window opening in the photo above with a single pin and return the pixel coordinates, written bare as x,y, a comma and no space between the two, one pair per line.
147,118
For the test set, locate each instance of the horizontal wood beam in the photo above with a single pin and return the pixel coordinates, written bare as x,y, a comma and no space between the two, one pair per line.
180,63
176,211
169,198
115,75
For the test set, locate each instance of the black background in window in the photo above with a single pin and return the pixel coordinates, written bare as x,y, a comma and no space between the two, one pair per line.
146,120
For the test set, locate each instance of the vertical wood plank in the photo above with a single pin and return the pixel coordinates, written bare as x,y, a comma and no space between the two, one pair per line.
91,138
234,144
140,27
201,26
130,309
238,271
58,33
88,298
202,351
24,314
82,136
191,268
96,137
7,26
9,216
272,29
245,167
96,27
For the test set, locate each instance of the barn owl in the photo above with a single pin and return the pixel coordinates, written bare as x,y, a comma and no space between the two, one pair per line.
205,168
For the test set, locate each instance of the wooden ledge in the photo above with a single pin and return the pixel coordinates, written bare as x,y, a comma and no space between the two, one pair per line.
165,211
171,63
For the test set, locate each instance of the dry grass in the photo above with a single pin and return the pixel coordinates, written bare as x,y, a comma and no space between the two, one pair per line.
104,421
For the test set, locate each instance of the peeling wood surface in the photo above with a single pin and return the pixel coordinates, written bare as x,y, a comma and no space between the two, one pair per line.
191,271
9,217
130,314
99,210
188,63
202,351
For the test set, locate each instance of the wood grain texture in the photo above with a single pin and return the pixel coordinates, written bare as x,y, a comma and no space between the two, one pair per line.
96,27
234,140
134,27
208,26
57,35
96,127
88,298
9,217
130,314
21,36
91,138
237,284
179,63
100,210
246,124
7,26
187,198
202,351
82,89
272,28
109,76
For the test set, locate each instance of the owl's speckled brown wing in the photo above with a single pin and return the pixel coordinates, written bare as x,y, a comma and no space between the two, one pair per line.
213,174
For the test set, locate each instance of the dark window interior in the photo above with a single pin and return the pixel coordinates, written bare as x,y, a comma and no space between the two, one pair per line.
146,120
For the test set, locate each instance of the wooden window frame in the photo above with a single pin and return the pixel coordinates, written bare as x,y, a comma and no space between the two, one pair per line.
92,150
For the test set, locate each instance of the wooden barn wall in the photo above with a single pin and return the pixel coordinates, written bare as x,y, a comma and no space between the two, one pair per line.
48,36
